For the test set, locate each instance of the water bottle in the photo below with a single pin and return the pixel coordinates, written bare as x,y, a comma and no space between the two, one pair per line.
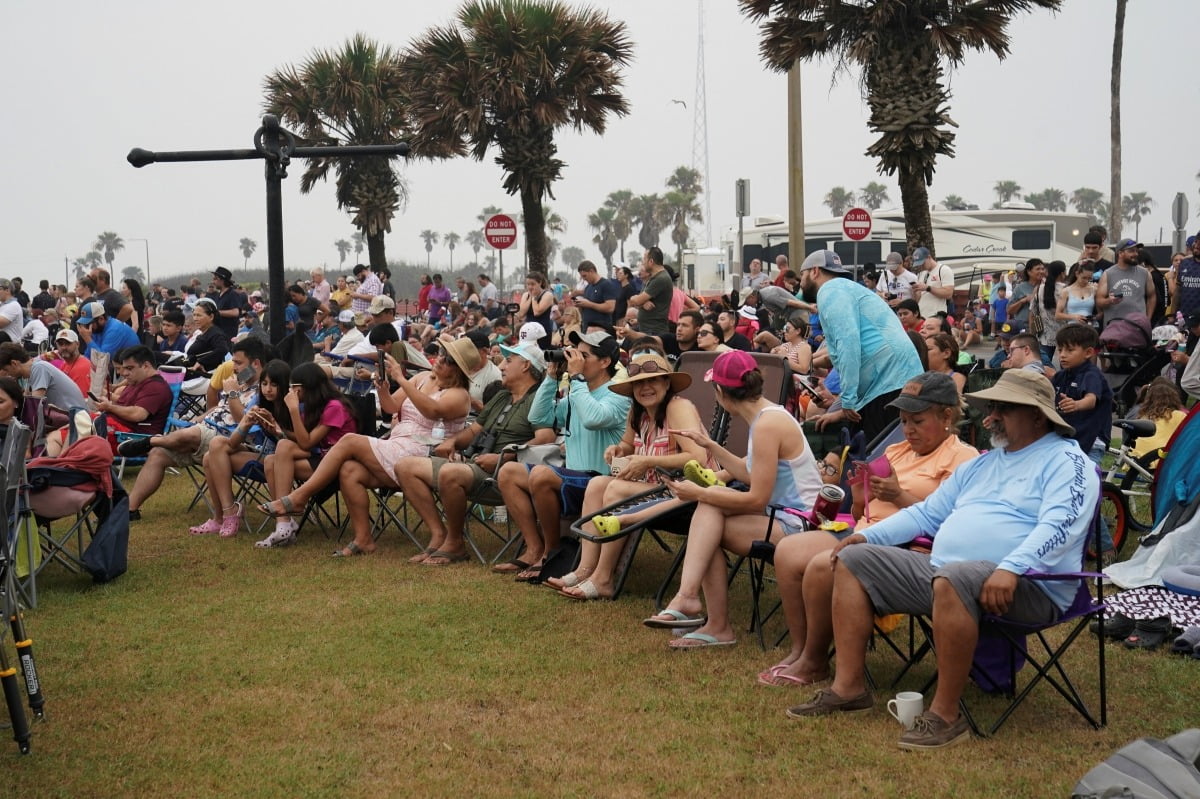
438,433
500,514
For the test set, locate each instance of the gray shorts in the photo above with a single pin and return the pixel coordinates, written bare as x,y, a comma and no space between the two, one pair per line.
482,490
901,581
185,459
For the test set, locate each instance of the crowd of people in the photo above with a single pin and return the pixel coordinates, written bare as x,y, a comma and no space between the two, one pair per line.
465,373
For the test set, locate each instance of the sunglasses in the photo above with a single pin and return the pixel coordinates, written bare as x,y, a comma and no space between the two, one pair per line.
703,332
1001,407
646,367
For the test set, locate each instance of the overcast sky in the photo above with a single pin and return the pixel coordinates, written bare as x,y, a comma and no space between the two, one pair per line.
84,82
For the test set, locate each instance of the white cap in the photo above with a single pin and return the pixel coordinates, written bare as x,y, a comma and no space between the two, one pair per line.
531,331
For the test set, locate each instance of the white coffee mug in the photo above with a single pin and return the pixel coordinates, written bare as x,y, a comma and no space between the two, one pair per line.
906,707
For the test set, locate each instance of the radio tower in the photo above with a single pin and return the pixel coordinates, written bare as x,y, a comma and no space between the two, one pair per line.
700,131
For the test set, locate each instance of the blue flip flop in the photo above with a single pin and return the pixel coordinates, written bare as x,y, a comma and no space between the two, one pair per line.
697,641
678,619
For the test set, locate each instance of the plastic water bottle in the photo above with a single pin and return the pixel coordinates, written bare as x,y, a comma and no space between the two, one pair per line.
438,433
500,514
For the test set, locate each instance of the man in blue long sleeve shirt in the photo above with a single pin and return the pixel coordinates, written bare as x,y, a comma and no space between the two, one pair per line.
1024,506
865,341
592,419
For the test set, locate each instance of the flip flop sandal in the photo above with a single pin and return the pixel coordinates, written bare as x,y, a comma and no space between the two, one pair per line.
777,679
350,550
422,555
285,502
445,558
587,593
514,566
1149,633
531,575
697,641
678,619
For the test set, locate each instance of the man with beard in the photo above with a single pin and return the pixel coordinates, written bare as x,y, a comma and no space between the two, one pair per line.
864,341
101,334
1125,288
1024,506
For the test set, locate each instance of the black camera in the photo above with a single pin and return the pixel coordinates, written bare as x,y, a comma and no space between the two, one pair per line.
890,297
555,356
483,443
512,307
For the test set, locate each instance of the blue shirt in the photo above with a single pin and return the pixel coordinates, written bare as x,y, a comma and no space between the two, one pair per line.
866,342
596,420
1024,510
1076,384
115,337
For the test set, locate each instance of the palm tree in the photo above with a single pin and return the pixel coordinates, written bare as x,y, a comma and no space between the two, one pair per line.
552,247
87,262
110,244
840,200
1114,165
1006,189
873,195
488,212
247,246
686,180
354,95
954,203
451,241
431,239
1055,199
681,209
509,74
602,222
1085,200
571,256
134,273
900,46
1134,208
622,204
475,241
357,238
343,248
647,213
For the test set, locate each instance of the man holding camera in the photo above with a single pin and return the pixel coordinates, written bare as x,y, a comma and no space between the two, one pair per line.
462,467
593,419
896,282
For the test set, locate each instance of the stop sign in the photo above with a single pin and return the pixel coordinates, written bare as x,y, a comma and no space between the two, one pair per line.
500,231
856,224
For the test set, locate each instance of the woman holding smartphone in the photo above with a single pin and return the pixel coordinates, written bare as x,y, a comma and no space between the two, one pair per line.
907,472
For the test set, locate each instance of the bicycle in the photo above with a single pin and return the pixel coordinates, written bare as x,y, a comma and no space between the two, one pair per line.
1127,491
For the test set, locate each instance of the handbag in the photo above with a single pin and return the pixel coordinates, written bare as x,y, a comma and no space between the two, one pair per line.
544,454
1037,325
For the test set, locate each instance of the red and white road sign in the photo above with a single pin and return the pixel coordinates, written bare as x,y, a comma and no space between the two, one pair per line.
856,224
500,231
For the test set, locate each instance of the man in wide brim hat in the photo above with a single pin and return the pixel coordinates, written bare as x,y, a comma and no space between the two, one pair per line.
647,366
1022,387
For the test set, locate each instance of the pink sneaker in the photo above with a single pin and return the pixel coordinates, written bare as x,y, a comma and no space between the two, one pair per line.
209,527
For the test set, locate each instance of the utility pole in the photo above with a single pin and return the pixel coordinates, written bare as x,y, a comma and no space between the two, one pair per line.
796,248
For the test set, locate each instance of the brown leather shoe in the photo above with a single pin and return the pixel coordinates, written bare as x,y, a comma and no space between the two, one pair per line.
931,731
826,703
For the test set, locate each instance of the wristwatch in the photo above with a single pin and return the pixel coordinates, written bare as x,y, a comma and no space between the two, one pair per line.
580,378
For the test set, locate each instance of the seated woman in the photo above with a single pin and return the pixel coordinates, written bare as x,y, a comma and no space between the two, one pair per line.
12,401
942,351
795,346
779,468
647,444
227,455
318,416
207,346
929,412
361,463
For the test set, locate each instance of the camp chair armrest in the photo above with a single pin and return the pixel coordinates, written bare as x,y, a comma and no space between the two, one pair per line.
650,493
1036,575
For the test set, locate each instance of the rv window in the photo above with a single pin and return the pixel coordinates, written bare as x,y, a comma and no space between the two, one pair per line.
813,245
869,252
1033,239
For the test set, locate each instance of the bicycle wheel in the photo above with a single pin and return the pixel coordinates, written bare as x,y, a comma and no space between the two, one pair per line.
1115,515
1139,493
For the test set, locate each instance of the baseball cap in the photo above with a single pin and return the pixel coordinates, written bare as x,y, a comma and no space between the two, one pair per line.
730,368
1008,330
604,345
919,255
346,317
924,390
1126,244
531,331
530,351
67,335
5,283
825,259
89,312
894,259
746,312
381,303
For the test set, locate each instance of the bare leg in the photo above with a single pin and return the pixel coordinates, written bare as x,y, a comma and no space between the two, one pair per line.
454,487
280,468
415,476
955,634
514,487
352,447
218,471
150,477
793,555
602,563
356,480
854,620
544,486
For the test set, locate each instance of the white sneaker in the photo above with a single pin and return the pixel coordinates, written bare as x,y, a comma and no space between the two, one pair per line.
283,536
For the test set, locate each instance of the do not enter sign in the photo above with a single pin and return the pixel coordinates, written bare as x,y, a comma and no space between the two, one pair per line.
856,224
500,231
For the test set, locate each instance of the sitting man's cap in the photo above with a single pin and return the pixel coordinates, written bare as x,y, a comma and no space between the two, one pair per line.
89,312
67,335
919,255
828,260
346,317
381,303
602,344
924,391
730,369
894,259
1023,387
224,274
1010,329
530,351
531,331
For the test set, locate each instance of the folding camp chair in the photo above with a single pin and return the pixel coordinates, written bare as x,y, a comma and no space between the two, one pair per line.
12,458
173,375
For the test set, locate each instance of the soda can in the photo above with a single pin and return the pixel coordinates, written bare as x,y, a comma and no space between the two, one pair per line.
829,503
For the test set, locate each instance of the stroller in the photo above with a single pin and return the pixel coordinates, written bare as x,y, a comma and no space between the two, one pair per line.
1129,359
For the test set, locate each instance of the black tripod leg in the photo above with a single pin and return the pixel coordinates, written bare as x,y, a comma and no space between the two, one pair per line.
33,686
12,698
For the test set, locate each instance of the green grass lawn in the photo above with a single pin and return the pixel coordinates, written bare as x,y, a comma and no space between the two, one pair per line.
214,669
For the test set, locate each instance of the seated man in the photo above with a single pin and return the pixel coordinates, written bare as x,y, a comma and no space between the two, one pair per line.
593,418
143,400
1026,505
503,421
187,446
45,380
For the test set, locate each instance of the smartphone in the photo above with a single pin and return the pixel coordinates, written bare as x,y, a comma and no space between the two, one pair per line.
246,376
1116,295
382,364
94,397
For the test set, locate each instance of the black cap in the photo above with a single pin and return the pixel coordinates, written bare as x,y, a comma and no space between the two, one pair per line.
925,390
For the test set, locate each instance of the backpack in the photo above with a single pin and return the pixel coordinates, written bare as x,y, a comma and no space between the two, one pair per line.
1147,769
106,557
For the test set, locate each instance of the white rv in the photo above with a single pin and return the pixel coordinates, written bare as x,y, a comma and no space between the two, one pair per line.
970,242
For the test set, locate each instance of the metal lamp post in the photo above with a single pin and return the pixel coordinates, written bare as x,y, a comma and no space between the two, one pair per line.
147,243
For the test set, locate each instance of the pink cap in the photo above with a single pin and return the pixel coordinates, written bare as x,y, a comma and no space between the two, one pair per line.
729,368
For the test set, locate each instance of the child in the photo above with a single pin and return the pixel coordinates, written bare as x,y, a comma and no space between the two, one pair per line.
1158,401
999,308
1083,396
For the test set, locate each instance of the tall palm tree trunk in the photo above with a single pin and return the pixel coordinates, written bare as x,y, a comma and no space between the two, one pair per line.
1114,205
535,229
918,226
375,251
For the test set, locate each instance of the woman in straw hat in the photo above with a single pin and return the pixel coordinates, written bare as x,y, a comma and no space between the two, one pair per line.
649,443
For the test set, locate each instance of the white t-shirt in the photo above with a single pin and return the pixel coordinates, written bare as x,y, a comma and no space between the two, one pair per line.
35,332
899,285
488,295
11,311
938,278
